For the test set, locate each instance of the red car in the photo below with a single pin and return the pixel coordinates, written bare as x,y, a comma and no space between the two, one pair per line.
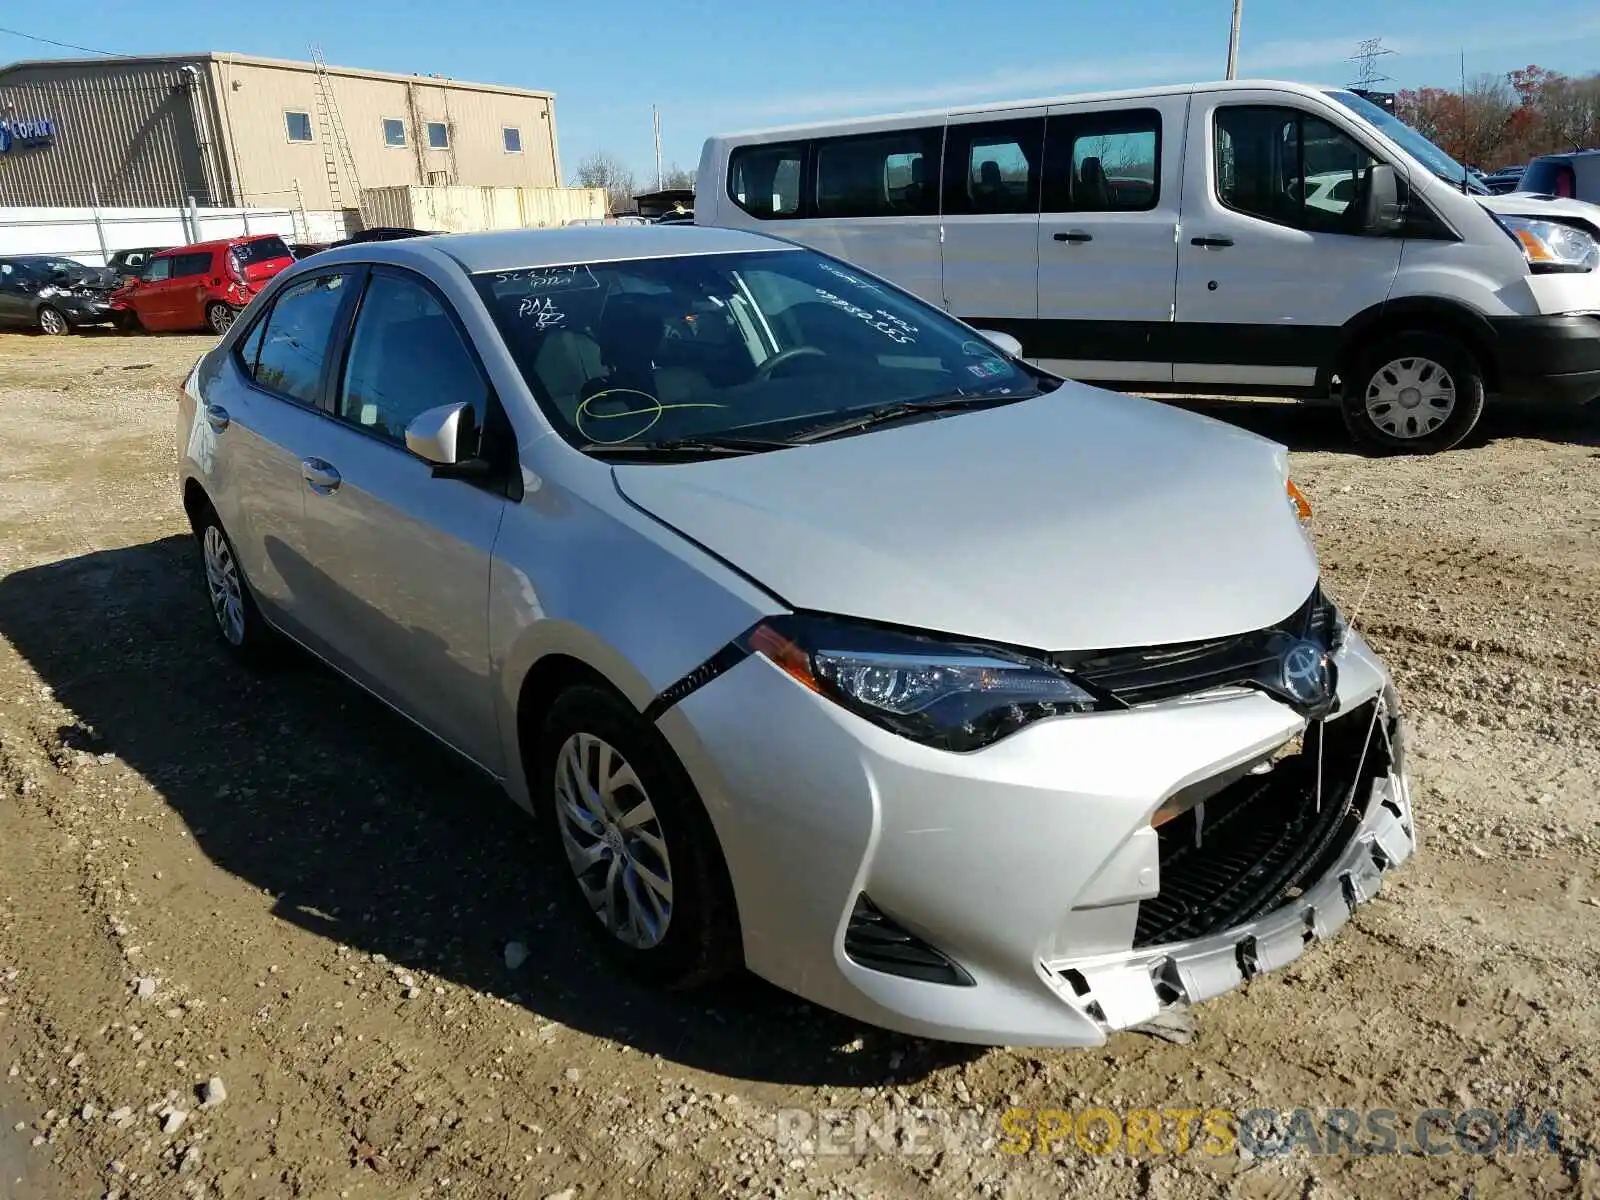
203,286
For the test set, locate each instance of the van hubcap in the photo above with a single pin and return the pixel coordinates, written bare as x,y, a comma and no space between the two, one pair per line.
222,581
614,841
1410,397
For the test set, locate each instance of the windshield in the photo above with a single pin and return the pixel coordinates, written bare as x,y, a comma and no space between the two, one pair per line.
1412,142
766,344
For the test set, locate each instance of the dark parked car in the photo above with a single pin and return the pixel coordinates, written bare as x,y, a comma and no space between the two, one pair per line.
383,233
1575,176
126,264
1504,180
53,295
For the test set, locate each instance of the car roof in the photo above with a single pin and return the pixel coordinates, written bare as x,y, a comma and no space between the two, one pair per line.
515,249
217,243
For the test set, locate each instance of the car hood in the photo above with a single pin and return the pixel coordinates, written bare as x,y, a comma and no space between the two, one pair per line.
1536,204
1082,519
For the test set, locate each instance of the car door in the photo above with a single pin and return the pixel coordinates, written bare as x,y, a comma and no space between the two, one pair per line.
398,560
1266,280
16,300
192,276
876,204
989,232
152,300
264,415
1108,267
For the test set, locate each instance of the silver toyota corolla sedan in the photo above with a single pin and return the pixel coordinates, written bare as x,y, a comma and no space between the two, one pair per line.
825,634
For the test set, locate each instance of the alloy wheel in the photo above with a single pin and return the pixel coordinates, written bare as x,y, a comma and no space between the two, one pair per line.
614,841
222,582
221,318
1410,397
52,322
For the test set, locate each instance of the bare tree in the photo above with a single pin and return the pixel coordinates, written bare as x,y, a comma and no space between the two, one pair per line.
1486,111
676,177
1570,111
603,170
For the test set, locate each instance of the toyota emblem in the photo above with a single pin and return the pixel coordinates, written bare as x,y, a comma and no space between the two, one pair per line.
1305,674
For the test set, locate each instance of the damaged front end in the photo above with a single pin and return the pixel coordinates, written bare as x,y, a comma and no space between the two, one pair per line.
1255,863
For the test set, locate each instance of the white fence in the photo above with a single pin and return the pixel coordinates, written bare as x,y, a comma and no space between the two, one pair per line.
90,235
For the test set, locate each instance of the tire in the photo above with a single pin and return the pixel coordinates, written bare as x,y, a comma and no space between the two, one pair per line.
52,322
245,635
127,321
692,940
1414,393
220,317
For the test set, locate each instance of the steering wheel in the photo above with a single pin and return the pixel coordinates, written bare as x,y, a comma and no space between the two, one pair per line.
784,357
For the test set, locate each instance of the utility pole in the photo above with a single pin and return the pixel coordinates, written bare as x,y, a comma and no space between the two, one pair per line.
655,115
1233,40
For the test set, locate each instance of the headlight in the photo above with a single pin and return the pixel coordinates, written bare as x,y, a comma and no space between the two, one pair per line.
951,695
1550,246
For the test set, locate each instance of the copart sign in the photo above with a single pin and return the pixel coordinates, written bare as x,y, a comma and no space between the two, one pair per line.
21,133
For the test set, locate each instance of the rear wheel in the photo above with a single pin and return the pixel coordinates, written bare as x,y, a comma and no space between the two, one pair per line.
219,317
233,608
647,871
1414,393
52,322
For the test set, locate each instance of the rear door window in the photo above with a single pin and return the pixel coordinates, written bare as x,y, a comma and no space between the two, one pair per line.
186,265
879,175
994,167
293,348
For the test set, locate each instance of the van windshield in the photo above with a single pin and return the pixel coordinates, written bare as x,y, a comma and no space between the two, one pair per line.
1412,142
770,345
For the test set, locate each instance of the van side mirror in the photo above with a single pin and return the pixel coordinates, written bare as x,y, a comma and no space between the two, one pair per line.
1003,341
1383,213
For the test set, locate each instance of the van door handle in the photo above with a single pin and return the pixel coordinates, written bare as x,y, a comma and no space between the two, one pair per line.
322,477
1075,235
1211,242
217,417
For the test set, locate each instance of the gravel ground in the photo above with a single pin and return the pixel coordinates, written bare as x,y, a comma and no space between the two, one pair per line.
272,883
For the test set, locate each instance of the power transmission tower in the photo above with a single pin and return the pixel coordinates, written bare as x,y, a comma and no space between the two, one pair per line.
1366,58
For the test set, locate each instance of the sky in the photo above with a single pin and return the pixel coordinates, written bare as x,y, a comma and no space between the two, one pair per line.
720,66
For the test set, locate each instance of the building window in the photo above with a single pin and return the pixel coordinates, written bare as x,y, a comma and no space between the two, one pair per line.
512,136
438,135
394,132
298,126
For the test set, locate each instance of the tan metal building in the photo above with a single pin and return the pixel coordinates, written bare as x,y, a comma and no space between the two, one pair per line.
236,130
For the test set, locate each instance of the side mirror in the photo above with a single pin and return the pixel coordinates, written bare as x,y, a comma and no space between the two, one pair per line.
440,435
1002,340
1383,213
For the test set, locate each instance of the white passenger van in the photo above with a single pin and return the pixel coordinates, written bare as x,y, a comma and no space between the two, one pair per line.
1223,238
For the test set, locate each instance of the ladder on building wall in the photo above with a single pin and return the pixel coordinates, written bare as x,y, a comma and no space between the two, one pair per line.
336,155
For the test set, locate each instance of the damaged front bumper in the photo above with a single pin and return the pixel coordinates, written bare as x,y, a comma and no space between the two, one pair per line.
1126,990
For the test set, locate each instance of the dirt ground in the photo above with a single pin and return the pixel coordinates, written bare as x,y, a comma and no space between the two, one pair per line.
272,882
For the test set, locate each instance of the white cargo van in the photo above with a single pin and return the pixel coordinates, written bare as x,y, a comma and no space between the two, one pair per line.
1223,238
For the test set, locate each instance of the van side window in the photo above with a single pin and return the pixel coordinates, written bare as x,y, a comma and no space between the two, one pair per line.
1290,168
765,180
1103,162
879,175
994,166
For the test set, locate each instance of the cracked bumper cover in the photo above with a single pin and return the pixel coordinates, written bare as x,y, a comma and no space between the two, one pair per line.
1127,990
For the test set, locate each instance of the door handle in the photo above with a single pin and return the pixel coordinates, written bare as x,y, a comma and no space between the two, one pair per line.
1211,242
322,477
1075,235
217,416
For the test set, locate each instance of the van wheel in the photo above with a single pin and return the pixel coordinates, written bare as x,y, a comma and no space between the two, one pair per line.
1415,393
220,317
52,322
629,831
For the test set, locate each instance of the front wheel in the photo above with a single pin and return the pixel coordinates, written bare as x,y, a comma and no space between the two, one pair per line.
1415,393
219,317
647,872
51,322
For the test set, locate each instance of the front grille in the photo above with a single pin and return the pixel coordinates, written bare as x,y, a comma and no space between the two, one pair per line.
1259,841
1151,673
876,941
